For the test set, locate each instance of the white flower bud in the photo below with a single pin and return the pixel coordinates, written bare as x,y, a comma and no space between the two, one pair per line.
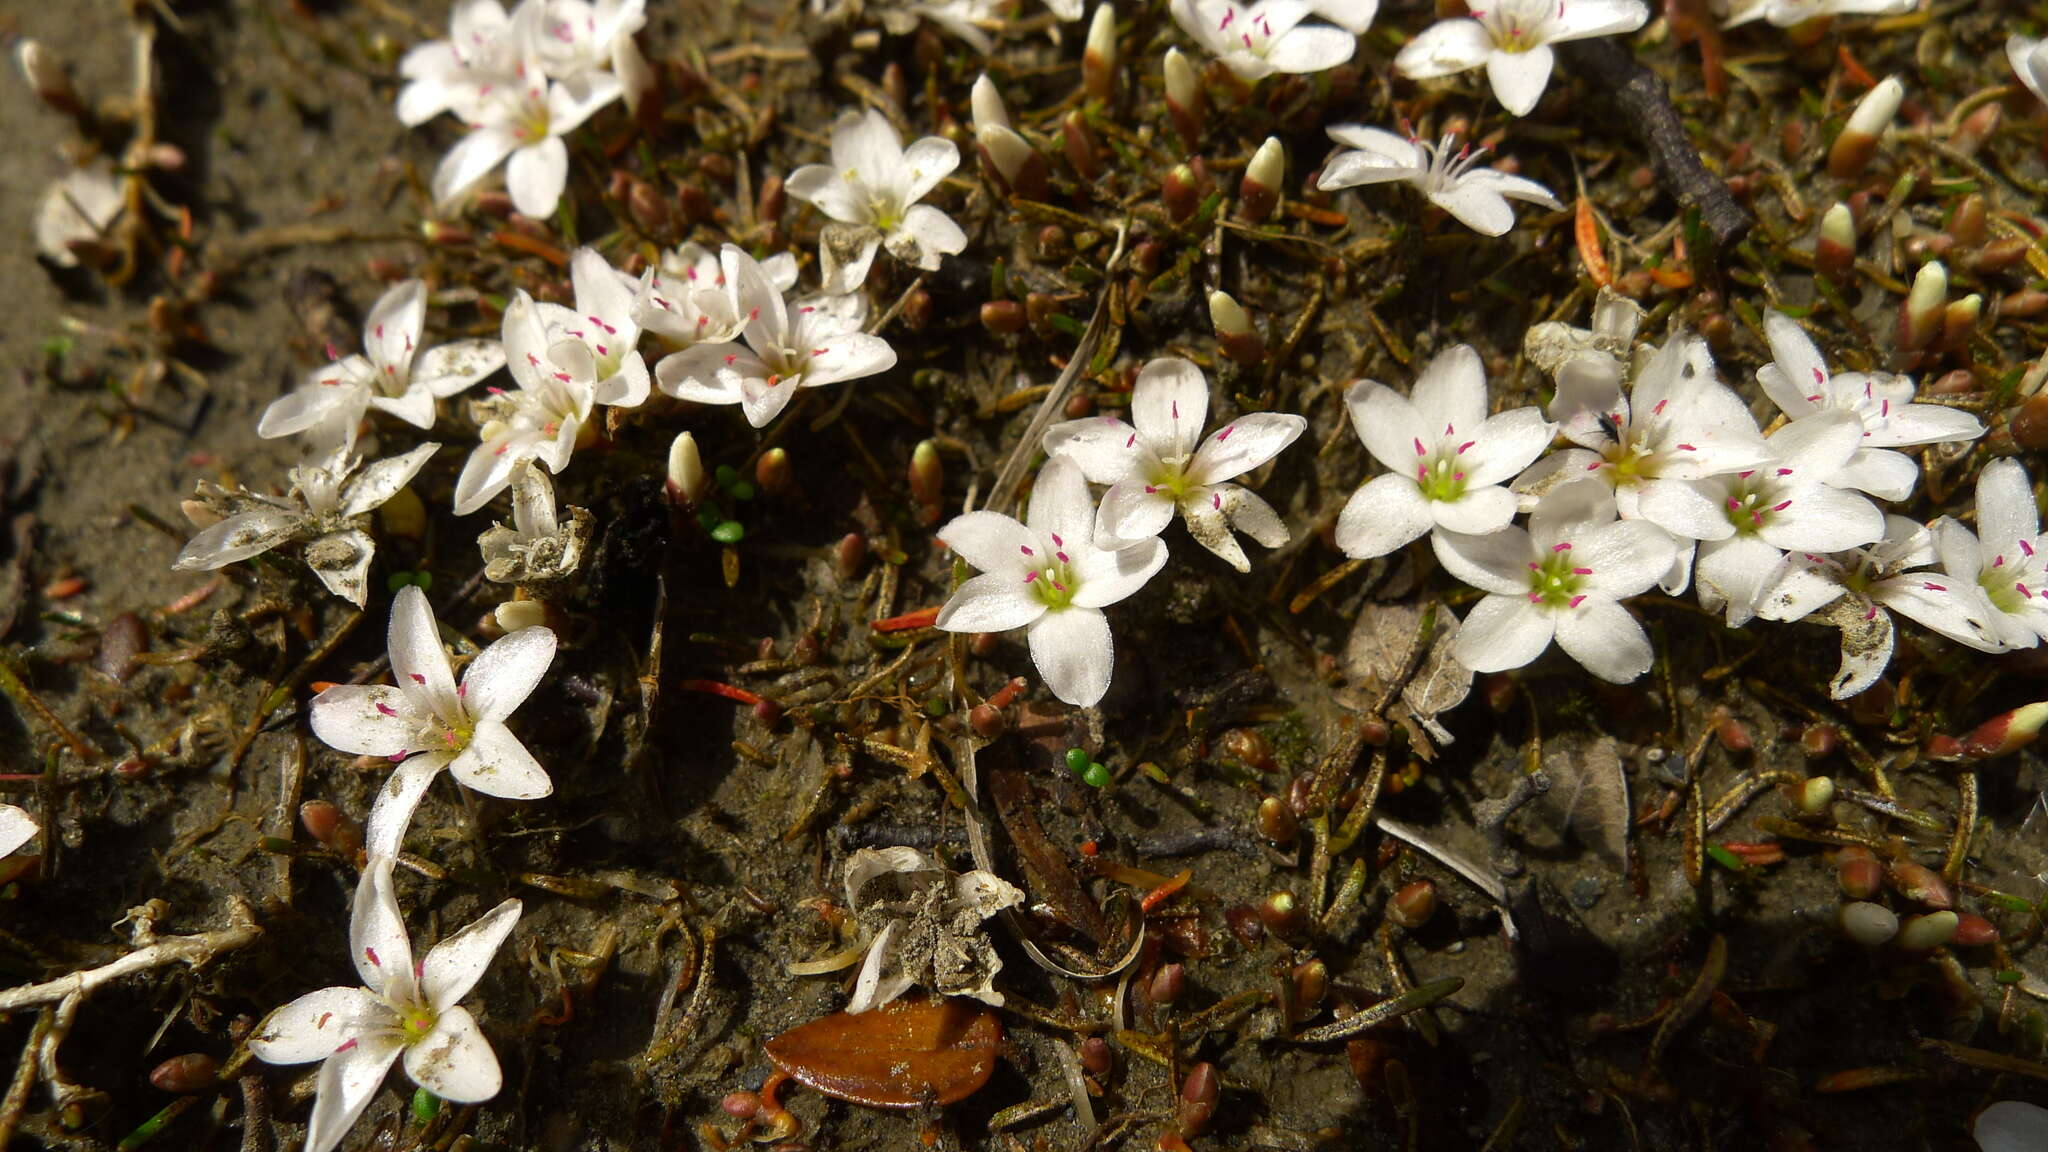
687,480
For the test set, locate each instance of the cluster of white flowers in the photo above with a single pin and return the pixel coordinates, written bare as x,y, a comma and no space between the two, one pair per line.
521,82
1054,572
1671,482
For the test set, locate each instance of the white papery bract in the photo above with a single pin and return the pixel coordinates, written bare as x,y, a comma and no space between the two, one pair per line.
1454,181
1048,576
871,190
1680,424
541,419
1798,382
17,827
1786,13
391,375
1258,39
2029,59
924,923
1999,569
686,299
325,508
1448,457
428,722
403,1010
1562,578
1790,502
1153,466
810,344
1512,40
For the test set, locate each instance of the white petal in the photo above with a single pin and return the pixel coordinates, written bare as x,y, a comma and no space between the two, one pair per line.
1601,635
497,764
1730,575
925,235
391,332
841,278
1202,512
1242,445
1450,399
571,101
1061,508
760,401
415,406
1497,562
419,664
1799,588
391,813
990,541
864,143
1579,19
314,1025
1353,169
2011,1125
1444,48
1169,405
472,159
1626,558
1074,654
2006,512
1310,48
1819,444
536,176
1881,472
1104,446
453,966
450,368
237,538
1385,514
485,474
1130,513
1941,606
503,675
1388,424
381,481
342,562
822,186
1251,515
1962,555
1682,509
697,373
454,1061
1105,577
1478,512
377,941
1502,632
365,719
991,602
1477,205
17,827
1823,519
1390,146
312,405
347,1082
1925,424
849,356
1506,444
929,160
1518,78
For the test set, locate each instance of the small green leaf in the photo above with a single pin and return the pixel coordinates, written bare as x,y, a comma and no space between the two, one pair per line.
729,532
425,1105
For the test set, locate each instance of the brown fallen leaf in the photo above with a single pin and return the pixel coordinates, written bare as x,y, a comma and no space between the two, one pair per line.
905,1054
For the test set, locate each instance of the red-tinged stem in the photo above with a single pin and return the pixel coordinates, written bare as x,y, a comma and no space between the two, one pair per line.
1007,693
720,688
922,618
1161,894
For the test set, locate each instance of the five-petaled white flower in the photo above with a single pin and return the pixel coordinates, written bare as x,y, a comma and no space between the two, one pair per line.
392,375
2000,568
325,508
1266,36
871,190
1799,383
809,345
1454,181
540,420
1512,39
685,299
1680,425
403,1009
1155,467
17,827
1448,457
606,323
1875,578
1047,576
429,722
450,75
2029,59
1786,13
1796,500
579,37
1563,577
524,119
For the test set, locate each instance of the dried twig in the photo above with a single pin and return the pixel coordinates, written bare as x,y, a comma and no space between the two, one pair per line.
194,951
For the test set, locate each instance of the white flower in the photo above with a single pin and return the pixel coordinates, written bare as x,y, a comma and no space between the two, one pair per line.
1048,577
1258,39
2029,59
324,508
77,209
429,722
17,827
403,1009
1876,578
1154,468
924,926
685,299
391,376
1786,13
1680,425
449,75
605,322
1454,181
1800,385
1512,39
1790,501
970,20
542,419
524,119
538,546
1563,577
872,189
1448,457
816,343
2000,568
581,36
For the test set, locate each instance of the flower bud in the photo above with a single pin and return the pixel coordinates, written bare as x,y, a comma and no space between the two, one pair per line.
1311,984
1234,332
1199,1094
1925,933
1282,914
2006,732
927,481
773,473
330,827
1079,143
1014,161
1259,192
1867,924
1996,257
1002,317
47,75
1922,885
1098,59
1976,128
848,555
771,200
687,480
1974,931
1834,253
1959,319
192,1072
1920,317
1096,1056
987,104
1184,101
514,615
1413,904
1815,795
1277,821
1858,872
1970,223
1858,141
1180,193
1168,984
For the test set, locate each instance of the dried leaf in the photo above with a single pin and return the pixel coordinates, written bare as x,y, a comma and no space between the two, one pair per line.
1588,793
1381,652
906,1054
